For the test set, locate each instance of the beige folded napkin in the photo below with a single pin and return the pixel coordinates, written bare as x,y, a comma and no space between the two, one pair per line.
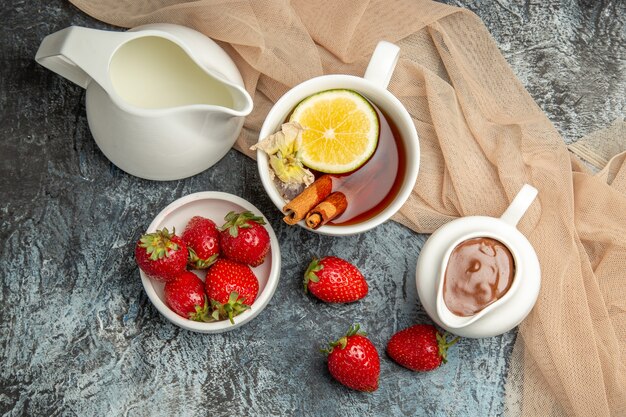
482,137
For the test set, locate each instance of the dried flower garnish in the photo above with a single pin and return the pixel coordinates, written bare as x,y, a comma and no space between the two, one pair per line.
283,148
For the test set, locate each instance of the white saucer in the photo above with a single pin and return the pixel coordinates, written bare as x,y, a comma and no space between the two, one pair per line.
499,320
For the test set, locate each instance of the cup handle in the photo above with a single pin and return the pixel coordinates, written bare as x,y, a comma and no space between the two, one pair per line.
519,205
382,64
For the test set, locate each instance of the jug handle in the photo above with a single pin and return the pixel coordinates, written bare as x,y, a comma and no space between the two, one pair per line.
519,205
382,64
51,55
81,54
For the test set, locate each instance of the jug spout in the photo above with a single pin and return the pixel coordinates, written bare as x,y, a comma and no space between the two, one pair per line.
225,98
451,320
242,102
80,54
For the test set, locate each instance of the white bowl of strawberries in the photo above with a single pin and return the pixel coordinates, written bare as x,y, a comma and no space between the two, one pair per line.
209,262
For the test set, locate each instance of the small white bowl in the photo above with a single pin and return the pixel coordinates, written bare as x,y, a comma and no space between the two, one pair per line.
213,205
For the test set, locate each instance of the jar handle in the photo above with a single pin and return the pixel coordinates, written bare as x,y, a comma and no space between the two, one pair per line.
519,205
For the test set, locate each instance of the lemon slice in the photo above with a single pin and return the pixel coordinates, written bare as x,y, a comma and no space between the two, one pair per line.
340,130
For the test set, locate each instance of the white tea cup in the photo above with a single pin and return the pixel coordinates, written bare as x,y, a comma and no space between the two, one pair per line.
373,86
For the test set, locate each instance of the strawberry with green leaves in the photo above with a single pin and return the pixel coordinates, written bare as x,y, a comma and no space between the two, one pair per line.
244,239
185,296
161,255
202,239
334,280
232,287
419,348
353,361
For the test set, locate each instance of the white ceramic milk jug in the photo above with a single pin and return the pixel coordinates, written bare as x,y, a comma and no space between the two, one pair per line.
503,313
163,101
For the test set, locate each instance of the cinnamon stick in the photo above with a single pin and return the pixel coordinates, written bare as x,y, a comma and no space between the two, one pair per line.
312,195
331,207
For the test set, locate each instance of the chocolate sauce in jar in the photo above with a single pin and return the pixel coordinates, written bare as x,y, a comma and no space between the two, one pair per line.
479,272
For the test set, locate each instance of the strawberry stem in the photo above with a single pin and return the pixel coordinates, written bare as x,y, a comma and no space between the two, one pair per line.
198,263
159,243
309,275
236,221
202,313
343,341
444,345
233,307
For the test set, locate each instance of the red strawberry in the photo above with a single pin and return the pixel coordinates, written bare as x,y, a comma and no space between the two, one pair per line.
334,280
161,255
244,239
353,361
419,348
185,296
202,239
232,287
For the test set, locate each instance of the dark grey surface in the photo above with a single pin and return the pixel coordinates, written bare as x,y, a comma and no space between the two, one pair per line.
78,335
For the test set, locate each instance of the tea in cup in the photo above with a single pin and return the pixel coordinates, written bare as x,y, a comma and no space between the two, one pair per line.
351,198
479,276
